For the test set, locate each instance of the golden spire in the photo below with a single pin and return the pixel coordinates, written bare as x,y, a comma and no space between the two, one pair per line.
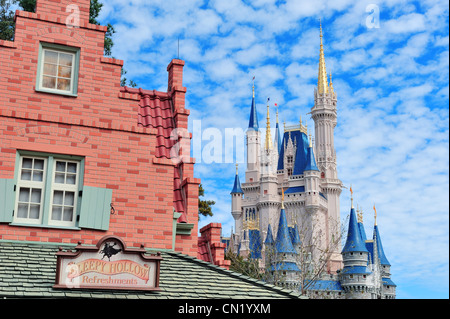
269,145
359,213
331,85
237,168
282,198
322,83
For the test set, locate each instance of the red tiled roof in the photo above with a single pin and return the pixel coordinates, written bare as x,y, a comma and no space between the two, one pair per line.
203,252
155,110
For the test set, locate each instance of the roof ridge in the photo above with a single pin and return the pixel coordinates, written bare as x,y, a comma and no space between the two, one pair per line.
235,274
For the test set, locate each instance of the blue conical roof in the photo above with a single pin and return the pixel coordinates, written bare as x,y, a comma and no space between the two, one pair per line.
283,242
253,122
362,232
237,186
278,138
295,235
354,239
381,255
269,237
310,160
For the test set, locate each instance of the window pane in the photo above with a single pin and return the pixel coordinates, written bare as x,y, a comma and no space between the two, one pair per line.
50,56
56,212
24,195
22,211
39,164
50,69
27,163
59,178
69,199
63,84
65,59
68,214
35,195
71,179
38,176
64,71
60,166
34,211
58,197
26,175
48,82
72,167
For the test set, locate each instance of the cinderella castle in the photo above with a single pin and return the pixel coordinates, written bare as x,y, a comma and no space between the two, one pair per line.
287,212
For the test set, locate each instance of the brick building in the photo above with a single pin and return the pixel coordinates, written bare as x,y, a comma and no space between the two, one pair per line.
84,161
81,156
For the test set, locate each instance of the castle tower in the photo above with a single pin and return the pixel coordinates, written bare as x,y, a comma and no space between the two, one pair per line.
283,262
236,202
269,200
253,140
355,277
386,285
324,114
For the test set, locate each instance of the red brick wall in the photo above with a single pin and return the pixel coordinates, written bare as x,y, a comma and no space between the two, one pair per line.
100,124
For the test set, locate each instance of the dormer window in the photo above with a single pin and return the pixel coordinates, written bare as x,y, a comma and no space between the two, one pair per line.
57,69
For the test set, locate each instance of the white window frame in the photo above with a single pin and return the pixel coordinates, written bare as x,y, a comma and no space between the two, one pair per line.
51,47
72,74
48,186
64,188
31,185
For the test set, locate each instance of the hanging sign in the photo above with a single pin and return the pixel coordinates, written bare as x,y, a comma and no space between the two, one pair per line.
108,265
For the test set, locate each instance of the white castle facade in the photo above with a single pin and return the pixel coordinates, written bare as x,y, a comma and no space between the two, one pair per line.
287,212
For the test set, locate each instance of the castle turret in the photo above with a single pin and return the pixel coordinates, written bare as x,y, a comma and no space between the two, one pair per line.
387,286
324,114
236,202
354,276
312,179
284,268
253,140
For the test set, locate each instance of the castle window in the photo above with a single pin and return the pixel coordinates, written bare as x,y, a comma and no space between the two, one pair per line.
57,69
289,159
289,171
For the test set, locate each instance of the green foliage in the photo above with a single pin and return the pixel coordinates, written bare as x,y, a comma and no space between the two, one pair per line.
246,266
6,20
27,5
204,206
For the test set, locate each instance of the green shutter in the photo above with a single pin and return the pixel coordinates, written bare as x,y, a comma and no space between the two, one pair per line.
95,208
6,200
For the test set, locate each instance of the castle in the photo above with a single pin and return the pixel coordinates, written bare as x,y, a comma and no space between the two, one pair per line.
287,212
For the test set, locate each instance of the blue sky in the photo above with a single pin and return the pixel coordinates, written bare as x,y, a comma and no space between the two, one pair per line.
390,66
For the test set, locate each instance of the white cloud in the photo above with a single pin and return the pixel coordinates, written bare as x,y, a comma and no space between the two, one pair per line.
392,87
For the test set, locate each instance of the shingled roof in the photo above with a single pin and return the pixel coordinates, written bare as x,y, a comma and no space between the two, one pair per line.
28,270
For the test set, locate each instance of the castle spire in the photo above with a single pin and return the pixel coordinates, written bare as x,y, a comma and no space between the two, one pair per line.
269,145
322,83
253,122
331,85
354,241
237,184
277,134
375,215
